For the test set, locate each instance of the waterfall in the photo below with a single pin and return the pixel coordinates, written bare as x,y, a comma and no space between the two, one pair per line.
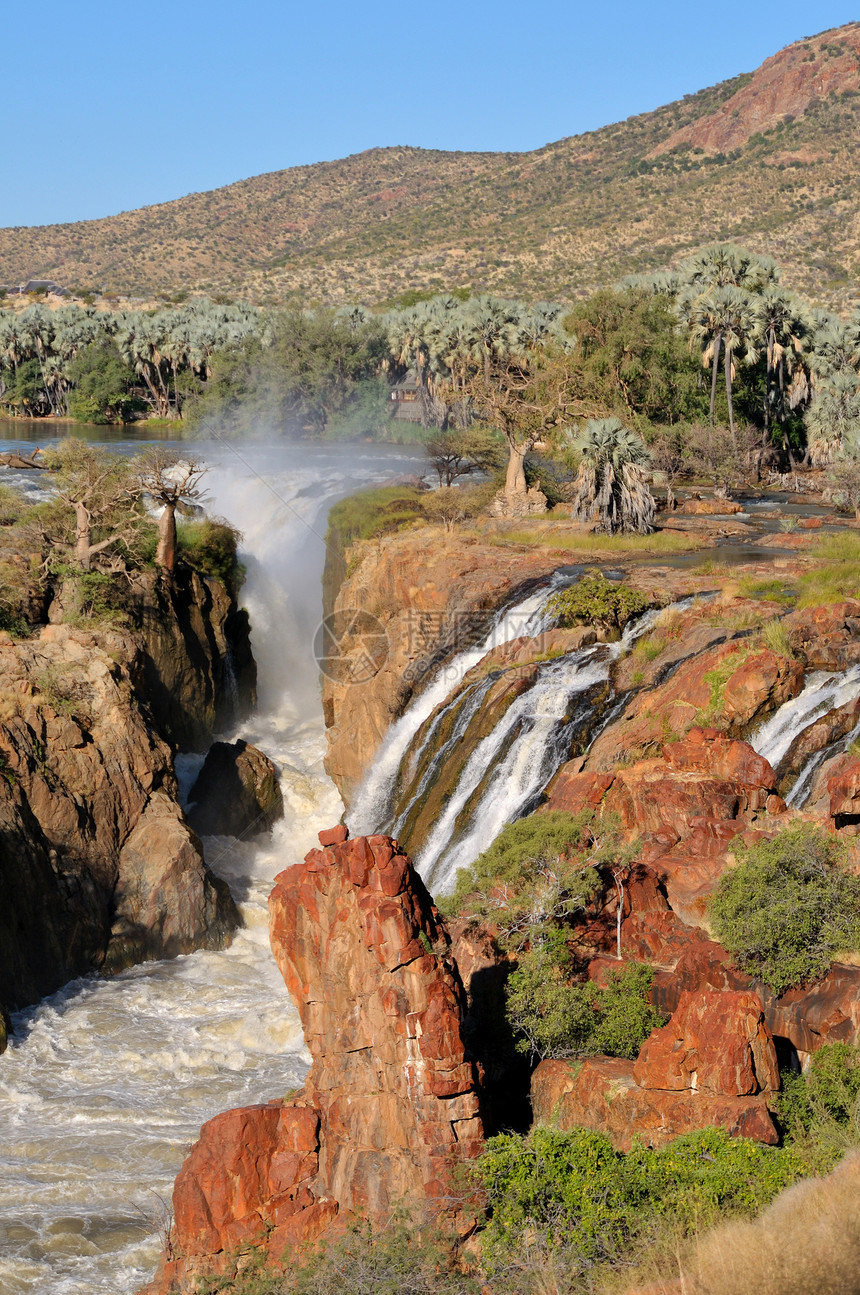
822,692
509,766
372,804
105,1083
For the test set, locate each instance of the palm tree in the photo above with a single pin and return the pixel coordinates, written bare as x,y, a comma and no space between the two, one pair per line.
610,487
723,320
833,417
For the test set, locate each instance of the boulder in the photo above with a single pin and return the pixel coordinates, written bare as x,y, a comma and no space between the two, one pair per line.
236,793
709,507
828,637
829,728
715,1041
166,900
844,790
602,1094
390,1105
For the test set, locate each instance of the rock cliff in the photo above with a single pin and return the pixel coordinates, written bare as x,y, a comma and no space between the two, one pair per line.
390,1105
98,867
784,87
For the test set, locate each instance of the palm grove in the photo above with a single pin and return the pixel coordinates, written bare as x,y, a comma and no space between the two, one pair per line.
714,363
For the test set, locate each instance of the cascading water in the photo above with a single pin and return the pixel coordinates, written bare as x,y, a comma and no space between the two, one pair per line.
372,803
508,768
822,693
105,1084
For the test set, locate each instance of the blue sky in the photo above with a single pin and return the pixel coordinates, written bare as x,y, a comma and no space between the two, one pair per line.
108,106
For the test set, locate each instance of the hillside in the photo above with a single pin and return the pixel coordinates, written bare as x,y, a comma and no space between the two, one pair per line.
769,159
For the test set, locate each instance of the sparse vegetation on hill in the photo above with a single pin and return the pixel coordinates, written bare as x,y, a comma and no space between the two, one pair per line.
555,222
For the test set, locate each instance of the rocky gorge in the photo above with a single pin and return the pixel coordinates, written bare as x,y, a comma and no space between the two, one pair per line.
668,735
100,868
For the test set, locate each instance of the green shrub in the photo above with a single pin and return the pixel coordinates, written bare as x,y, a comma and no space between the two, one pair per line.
574,1192
552,1017
820,1109
210,547
594,600
788,907
12,505
538,870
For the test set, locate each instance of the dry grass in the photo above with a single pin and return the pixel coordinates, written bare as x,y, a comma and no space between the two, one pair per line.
806,1243
659,544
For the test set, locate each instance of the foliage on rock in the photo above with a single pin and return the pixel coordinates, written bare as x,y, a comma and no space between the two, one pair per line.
594,600
554,1017
788,907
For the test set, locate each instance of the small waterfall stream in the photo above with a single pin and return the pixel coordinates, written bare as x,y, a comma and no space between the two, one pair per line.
823,691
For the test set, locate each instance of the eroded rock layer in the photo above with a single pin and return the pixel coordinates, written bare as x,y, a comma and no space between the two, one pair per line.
390,1106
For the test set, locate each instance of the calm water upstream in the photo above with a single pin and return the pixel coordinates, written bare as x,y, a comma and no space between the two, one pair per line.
105,1084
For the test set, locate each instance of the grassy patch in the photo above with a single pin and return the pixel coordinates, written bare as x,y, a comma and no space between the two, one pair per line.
659,543
836,574
369,513
771,591
716,680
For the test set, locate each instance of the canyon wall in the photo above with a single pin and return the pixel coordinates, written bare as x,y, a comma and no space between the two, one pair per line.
98,866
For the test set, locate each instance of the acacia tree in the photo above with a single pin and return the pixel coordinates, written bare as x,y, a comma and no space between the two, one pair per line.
173,482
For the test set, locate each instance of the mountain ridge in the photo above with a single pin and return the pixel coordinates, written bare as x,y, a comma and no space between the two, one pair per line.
550,222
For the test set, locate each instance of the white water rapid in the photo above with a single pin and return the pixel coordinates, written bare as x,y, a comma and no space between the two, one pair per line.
105,1084
373,797
822,692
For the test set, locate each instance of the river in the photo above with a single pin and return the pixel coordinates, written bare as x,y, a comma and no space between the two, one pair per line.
105,1084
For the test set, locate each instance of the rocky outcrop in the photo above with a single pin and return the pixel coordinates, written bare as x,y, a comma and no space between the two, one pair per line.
828,637
236,793
97,865
390,1105
429,602
714,1062
194,665
729,685
781,89
602,1094
715,1042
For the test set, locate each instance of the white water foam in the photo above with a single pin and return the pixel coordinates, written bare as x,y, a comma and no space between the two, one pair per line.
106,1083
822,692
372,802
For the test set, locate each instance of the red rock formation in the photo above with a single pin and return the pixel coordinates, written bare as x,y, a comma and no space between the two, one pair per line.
828,638
602,1094
759,683
390,1105
844,789
781,89
716,1041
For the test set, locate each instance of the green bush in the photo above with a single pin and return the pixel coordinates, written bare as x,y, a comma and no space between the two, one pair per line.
538,870
820,1109
210,547
573,1192
594,600
553,1017
788,907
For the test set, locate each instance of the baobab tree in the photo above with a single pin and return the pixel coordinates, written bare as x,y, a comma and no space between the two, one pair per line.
172,482
99,489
